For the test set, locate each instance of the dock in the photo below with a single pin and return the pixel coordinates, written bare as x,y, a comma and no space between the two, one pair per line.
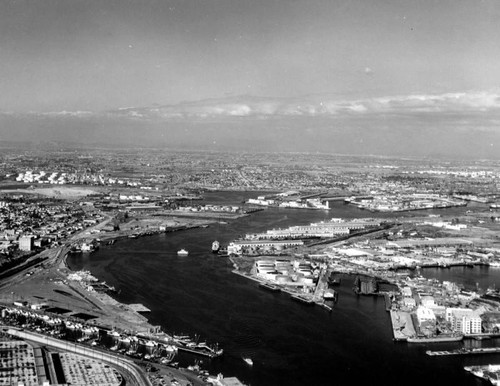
206,353
303,300
138,307
402,325
270,287
388,302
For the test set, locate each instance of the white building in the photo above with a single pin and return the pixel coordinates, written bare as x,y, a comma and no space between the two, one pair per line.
409,302
425,314
26,243
464,320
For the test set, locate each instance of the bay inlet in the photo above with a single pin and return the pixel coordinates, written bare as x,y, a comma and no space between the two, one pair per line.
289,343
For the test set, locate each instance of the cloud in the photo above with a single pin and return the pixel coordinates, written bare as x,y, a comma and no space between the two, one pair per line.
449,102
317,107
246,107
65,113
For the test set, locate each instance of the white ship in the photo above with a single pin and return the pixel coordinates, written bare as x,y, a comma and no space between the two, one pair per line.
248,361
182,252
215,246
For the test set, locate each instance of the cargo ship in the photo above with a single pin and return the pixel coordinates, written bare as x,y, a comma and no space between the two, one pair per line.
215,247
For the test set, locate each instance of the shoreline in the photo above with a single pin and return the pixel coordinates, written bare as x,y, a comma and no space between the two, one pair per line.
47,283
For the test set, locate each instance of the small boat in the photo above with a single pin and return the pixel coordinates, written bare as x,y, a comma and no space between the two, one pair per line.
248,361
182,252
215,246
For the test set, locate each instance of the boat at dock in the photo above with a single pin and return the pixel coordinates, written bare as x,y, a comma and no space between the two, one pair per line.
201,349
215,247
182,252
270,287
435,339
330,294
482,337
303,300
181,336
334,280
465,351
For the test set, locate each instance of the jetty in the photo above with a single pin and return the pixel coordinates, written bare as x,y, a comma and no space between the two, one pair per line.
138,307
204,352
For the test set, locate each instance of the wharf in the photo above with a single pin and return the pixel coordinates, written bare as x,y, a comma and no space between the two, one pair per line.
303,299
270,287
388,302
297,296
138,307
402,325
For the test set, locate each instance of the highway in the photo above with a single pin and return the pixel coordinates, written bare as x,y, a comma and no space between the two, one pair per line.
125,365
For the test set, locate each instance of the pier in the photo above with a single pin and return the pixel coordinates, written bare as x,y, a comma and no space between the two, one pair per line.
388,302
138,307
270,287
303,299
402,325
206,353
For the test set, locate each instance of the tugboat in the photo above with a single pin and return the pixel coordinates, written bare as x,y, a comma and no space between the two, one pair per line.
215,247
182,252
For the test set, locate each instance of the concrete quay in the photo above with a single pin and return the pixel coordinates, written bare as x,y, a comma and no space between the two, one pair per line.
402,325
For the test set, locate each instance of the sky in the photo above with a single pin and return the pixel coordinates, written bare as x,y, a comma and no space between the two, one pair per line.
356,66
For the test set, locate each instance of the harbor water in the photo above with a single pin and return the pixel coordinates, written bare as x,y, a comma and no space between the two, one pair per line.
288,342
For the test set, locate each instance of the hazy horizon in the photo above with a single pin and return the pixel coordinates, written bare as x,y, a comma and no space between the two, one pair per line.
389,78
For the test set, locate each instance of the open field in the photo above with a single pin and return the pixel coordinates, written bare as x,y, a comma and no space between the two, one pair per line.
62,192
